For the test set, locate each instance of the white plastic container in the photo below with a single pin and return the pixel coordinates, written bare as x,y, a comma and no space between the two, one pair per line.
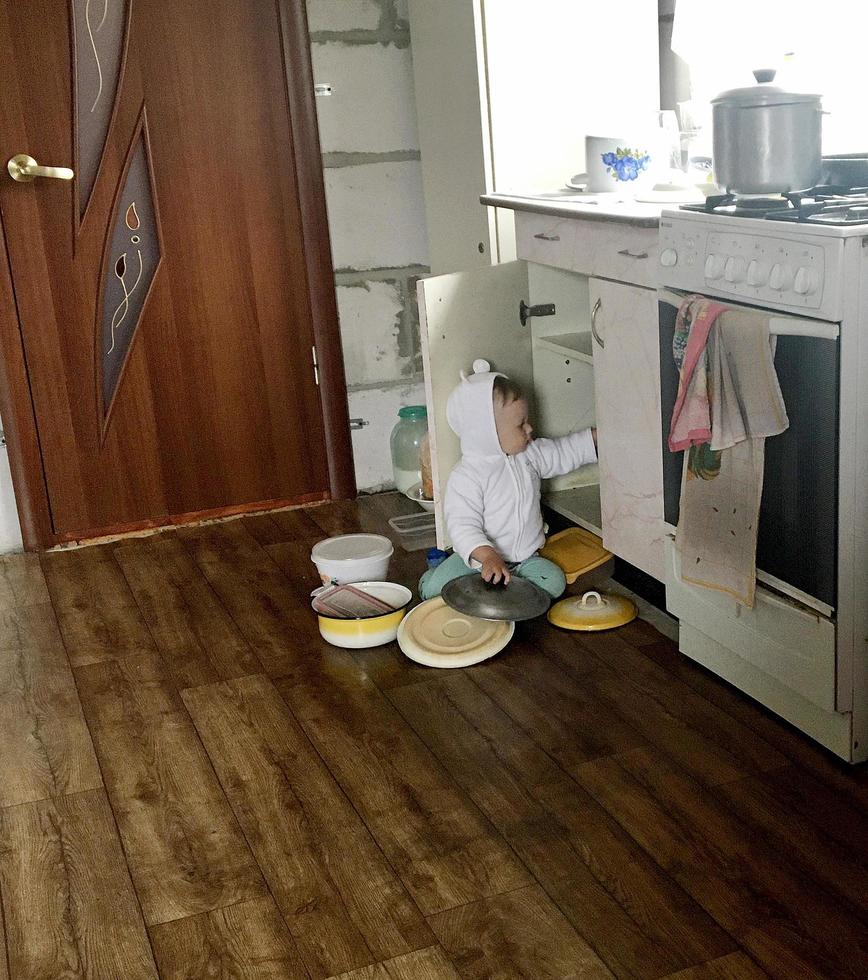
352,558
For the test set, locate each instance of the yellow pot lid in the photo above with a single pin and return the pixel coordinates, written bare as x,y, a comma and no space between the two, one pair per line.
592,611
576,552
435,635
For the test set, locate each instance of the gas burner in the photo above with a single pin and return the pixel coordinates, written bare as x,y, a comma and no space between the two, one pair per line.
824,204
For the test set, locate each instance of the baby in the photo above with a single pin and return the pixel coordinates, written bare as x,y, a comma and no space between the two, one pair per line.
492,504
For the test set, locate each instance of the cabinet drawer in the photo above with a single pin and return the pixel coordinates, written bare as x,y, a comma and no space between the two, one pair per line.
608,249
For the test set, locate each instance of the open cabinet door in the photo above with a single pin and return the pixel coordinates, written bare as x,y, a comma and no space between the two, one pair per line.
464,316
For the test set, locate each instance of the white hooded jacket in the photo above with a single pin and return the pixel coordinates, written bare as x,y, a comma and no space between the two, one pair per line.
494,499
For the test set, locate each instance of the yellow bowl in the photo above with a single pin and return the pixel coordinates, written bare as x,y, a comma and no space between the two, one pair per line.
368,631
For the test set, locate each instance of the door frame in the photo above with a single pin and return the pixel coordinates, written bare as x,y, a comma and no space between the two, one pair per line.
16,402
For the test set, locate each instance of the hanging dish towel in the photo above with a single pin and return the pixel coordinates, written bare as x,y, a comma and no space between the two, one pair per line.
723,475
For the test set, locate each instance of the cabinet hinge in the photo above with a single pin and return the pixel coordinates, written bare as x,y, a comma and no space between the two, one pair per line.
315,366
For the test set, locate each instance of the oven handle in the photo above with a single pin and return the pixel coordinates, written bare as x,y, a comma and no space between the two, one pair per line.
779,324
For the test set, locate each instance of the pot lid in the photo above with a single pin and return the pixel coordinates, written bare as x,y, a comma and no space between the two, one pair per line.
352,547
473,596
762,94
592,611
435,635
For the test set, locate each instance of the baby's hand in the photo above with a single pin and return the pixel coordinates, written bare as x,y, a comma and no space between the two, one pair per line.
494,568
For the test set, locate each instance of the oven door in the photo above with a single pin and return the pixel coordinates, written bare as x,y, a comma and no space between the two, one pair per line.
798,524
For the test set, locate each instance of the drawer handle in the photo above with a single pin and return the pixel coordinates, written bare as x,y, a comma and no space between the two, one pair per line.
632,255
594,313
548,238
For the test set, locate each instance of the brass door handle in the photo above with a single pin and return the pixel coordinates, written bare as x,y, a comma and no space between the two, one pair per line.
24,168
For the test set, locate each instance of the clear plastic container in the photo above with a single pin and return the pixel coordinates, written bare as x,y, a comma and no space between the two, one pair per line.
406,445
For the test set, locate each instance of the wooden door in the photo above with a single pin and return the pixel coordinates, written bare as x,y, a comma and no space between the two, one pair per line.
627,386
162,313
466,316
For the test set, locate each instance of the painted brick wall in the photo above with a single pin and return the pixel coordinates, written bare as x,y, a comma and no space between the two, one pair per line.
373,186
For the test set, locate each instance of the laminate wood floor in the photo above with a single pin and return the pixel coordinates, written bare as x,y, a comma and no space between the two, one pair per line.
194,785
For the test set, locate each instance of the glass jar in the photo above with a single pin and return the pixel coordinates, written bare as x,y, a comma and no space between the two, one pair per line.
406,443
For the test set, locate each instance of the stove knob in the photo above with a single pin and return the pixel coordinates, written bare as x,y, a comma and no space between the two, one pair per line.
757,273
781,277
714,266
668,257
734,270
806,281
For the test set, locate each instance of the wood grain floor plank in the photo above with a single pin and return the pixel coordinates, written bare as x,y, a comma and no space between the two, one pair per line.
640,923
752,891
341,900
264,529
841,868
669,716
627,662
521,934
735,966
340,517
185,849
45,747
248,941
98,617
443,850
553,707
4,955
21,581
848,782
69,905
197,639
423,964
280,629
297,525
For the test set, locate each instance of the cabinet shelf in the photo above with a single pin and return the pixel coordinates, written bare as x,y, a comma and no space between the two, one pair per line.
579,504
578,346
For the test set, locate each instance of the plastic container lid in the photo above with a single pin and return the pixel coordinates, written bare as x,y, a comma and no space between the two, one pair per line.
576,552
592,612
437,636
352,547
413,412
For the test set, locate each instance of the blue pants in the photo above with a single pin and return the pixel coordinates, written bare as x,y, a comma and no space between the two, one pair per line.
540,571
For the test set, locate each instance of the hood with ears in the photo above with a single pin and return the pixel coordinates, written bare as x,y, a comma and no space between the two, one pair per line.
470,412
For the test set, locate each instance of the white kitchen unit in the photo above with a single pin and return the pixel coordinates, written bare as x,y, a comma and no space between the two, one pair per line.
801,650
595,360
506,93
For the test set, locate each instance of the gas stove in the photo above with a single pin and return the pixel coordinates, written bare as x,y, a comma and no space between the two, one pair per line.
825,204
778,255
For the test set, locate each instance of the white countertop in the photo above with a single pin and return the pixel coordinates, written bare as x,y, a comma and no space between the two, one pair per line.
574,204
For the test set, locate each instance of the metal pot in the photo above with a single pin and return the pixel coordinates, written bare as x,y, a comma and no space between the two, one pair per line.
766,140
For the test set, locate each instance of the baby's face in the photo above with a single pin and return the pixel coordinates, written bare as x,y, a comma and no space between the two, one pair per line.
513,428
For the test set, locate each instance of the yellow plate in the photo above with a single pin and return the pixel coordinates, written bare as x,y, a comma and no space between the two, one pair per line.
435,635
576,552
592,611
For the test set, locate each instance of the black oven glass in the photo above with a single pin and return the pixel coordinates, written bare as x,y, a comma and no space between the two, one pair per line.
798,527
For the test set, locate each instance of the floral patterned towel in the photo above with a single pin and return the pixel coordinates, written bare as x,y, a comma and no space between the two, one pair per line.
691,417
723,477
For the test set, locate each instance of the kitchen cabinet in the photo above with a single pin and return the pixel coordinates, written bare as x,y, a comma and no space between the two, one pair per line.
627,390
506,93
576,380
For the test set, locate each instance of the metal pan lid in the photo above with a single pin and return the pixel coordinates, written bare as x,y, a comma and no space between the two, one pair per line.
763,94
